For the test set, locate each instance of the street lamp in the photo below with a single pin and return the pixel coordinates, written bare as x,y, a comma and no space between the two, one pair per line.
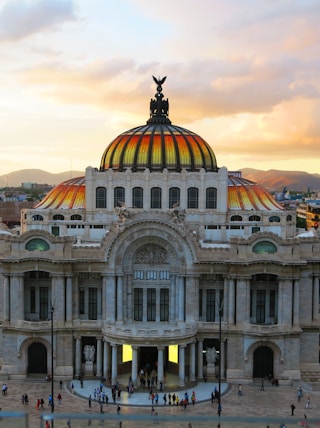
52,382
220,317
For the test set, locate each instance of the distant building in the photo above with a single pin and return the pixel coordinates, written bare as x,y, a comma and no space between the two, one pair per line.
144,256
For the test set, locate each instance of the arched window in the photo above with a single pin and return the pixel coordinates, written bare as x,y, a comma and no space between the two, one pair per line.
101,197
274,219
76,217
211,198
119,196
58,217
174,197
264,247
37,244
37,217
236,218
254,218
137,197
193,197
289,217
155,197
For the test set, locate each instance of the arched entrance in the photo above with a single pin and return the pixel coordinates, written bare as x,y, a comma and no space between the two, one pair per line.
37,358
263,362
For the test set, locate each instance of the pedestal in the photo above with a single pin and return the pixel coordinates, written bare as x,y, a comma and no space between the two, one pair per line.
88,368
211,371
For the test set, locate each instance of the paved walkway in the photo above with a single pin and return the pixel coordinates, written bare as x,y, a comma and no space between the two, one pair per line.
255,408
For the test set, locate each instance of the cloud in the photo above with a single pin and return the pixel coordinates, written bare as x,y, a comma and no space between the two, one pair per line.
22,18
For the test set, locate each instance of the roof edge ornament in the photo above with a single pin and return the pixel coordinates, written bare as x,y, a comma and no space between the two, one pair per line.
159,107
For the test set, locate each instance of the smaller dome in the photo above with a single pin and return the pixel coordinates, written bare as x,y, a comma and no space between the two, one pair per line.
68,195
246,195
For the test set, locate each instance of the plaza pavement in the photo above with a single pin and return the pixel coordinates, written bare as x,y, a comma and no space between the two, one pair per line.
255,408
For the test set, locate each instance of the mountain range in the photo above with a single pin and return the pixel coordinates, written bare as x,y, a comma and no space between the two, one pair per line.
272,180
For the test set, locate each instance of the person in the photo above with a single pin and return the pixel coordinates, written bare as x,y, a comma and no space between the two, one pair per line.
61,383
308,403
219,409
59,397
299,394
118,409
292,409
47,424
239,389
89,401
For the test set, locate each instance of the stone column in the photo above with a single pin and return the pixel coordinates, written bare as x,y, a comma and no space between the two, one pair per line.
16,298
104,297
58,297
114,364
69,299
243,301
315,298
200,359
130,298
157,304
120,298
192,373
160,364
78,355
296,303
99,358
144,304
76,314
134,365
231,301
287,306
181,291
280,302
182,365
6,298
172,294
221,356
106,360
110,297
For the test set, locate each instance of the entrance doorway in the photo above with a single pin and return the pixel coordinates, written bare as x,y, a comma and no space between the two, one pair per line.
148,358
37,359
263,362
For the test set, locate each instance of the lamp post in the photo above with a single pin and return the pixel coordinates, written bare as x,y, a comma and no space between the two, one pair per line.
52,374
220,317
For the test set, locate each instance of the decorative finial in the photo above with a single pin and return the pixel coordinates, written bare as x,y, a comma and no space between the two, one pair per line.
159,108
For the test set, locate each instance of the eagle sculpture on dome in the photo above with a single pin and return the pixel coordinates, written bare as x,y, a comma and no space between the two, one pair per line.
159,81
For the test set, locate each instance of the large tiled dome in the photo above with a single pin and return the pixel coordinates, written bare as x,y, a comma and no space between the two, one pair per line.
158,145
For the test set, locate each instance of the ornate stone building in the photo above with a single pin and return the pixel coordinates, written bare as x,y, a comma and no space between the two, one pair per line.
144,258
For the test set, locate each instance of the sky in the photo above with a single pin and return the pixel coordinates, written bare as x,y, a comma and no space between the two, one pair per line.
245,75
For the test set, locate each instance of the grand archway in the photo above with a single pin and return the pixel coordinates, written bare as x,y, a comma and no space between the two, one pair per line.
37,359
263,362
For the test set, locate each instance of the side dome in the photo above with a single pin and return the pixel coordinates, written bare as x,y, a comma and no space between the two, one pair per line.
244,194
158,145
69,194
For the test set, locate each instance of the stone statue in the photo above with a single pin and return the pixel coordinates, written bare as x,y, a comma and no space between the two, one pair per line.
211,355
89,353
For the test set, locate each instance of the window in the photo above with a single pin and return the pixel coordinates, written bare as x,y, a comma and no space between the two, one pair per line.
93,303
174,197
37,244
44,302
101,197
76,217
164,304
55,230
138,304
58,217
289,217
164,275
263,299
274,219
138,274
37,217
151,274
81,301
119,197
255,229
236,218
211,303
193,194
211,198
254,218
155,198
264,247
151,304
137,197
33,300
